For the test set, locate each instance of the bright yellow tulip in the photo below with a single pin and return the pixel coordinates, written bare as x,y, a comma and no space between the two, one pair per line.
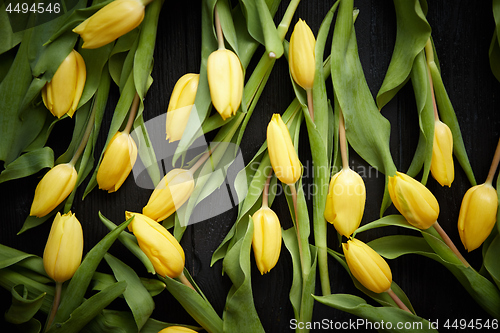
170,194
225,80
442,168
367,266
478,215
62,94
180,105
413,200
111,22
54,187
117,162
177,329
266,241
284,159
345,202
164,251
63,252
301,55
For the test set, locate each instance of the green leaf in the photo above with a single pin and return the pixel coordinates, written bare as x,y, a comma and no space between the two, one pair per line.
366,129
390,220
136,295
357,306
494,51
272,40
413,32
239,310
9,38
197,306
226,22
423,95
295,295
28,164
73,296
22,308
89,309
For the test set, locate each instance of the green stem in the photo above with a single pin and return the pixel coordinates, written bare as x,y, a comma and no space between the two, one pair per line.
429,55
55,306
133,112
494,165
85,138
305,267
183,279
218,29
343,141
287,19
265,194
310,105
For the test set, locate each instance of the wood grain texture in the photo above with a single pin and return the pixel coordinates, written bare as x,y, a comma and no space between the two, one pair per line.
462,32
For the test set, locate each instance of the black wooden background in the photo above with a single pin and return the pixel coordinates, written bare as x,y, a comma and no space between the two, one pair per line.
462,32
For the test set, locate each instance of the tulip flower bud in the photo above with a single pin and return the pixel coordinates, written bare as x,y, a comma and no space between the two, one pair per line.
345,202
413,200
478,215
301,55
367,266
225,80
177,329
266,242
164,251
54,187
284,159
63,252
442,155
62,94
170,194
117,162
180,105
110,22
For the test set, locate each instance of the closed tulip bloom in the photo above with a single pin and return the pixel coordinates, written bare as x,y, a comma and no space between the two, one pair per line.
345,202
63,252
225,80
177,329
367,266
284,159
117,162
266,241
54,187
170,194
301,55
442,168
478,215
110,22
164,251
413,200
180,105
62,94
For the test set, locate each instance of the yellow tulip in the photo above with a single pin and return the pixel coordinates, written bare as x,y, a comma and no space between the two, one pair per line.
442,168
301,55
111,22
284,159
54,187
117,162
367,266
62,94
478,215
345,202
180,105
225,80
177,329
63,252
164,251
266,241
413,200
170,194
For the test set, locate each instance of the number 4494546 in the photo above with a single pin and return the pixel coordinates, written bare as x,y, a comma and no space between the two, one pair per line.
33,8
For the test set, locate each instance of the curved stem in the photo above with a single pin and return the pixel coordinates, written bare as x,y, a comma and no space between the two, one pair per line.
85,138
343,141
265,194
133,112
450,243
494,164
398,301
202,159
310,105
55,305
218,29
